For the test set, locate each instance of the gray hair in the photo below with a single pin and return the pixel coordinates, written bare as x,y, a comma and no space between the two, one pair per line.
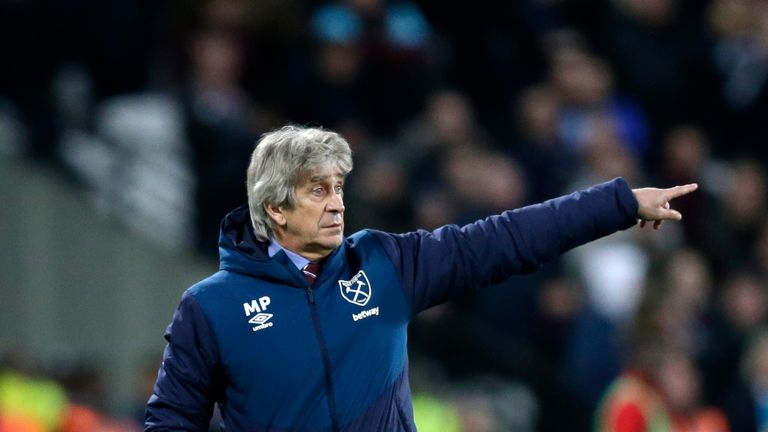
281,160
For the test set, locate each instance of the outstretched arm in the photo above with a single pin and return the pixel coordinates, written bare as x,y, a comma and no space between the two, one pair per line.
653,203
440,265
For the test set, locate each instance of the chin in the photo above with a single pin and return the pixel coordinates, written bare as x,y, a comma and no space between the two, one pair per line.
334,241
337,241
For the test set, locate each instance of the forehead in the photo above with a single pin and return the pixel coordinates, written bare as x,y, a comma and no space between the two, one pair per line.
324,174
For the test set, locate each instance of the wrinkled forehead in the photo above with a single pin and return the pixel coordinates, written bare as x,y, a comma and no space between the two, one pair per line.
325,173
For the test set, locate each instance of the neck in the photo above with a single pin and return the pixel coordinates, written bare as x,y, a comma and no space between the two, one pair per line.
310,254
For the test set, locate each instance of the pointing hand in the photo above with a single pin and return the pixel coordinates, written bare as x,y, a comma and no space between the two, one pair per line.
653,203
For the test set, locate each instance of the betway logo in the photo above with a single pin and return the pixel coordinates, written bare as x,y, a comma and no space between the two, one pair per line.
365,313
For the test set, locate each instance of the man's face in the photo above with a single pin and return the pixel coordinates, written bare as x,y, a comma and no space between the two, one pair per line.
314,227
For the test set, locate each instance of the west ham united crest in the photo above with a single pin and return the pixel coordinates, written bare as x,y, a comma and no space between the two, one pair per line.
356,290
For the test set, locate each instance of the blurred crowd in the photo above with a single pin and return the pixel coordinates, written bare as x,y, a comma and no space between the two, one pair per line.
454,112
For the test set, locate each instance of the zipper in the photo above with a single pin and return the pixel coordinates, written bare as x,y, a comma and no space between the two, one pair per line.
326,359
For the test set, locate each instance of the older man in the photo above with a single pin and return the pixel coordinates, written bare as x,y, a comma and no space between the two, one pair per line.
305,329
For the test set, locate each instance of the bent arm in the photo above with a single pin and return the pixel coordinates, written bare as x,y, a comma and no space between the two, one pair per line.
439,265
186,385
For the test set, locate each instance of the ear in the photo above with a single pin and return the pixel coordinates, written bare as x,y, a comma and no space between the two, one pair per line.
276,214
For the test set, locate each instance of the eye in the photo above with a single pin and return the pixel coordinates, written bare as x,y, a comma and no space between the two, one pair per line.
339,189
318,190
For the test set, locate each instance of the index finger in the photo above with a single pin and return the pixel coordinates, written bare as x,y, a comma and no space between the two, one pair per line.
679,191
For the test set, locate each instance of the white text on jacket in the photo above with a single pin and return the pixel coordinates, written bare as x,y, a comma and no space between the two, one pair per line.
365,314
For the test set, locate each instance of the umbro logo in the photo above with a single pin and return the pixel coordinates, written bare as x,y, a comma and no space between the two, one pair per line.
261,319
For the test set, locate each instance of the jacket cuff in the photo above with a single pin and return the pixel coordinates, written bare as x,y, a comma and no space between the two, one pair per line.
626,201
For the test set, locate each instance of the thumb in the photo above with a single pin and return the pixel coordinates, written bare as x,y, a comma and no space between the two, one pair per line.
669,214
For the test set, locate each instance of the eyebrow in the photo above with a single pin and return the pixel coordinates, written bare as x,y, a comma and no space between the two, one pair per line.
317,178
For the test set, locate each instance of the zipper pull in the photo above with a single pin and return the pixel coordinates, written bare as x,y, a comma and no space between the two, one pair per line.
310,295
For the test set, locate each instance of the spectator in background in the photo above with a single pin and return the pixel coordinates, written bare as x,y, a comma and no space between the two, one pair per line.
659,388
741,214
221,124
740,58
680,386
446,124
396,40
585,86
270,34
34,402
377,48
659,57
434,207
558,309
467,170
329,90
29,403
605,153
746,402
493,320
742,307
378,189
378,195
85,386
491,52
433,406
735,195
612,273
82,418
549,164
686,315
613,290
686,154
633,402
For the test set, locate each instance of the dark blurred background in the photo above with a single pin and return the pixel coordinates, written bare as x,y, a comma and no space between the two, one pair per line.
126,128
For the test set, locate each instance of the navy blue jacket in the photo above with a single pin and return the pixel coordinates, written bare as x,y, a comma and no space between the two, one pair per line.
279,355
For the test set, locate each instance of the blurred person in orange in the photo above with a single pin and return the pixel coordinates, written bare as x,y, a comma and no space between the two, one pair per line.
659,390
29,403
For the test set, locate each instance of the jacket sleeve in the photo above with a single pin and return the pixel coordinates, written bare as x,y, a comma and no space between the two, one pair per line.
437,266
188,382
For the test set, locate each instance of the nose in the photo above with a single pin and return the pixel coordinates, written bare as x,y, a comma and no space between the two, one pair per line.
335,203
